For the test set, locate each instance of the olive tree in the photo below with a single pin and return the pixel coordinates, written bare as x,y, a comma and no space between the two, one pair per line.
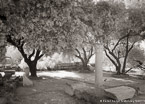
42,26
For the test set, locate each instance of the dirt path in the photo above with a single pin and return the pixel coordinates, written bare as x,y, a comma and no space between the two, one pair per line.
45,91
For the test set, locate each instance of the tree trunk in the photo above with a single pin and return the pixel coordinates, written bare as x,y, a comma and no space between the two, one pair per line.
123,70
124,64
33,69
85,65
85,58
19,43
33,63
118,69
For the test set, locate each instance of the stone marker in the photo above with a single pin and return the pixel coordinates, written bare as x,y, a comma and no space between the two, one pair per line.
26,70
120,93
27,81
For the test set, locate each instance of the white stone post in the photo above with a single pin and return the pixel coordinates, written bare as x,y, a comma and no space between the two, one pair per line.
99,68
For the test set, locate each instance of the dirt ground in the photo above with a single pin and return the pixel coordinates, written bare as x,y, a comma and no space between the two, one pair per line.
50,89
45,91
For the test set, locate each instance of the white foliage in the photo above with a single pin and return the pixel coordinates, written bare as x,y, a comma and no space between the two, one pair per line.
41,65
46,62
13,54
23,64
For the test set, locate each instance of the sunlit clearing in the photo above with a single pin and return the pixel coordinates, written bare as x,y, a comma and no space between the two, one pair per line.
19,73
122,80
59,74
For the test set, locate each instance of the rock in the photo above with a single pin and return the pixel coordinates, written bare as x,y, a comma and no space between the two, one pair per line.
83,91
91,68
27,81
26,70
88,94
120,93
71,87
3,100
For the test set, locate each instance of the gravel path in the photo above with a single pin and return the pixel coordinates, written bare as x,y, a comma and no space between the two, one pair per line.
45,91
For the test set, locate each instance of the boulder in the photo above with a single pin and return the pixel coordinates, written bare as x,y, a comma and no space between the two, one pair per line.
27,81
120,93
83,91
71,87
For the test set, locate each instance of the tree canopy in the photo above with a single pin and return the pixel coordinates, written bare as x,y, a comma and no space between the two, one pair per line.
44,24
56,25
128,29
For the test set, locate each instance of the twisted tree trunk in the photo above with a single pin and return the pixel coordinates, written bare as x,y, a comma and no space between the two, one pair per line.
114,55
19,43
85,57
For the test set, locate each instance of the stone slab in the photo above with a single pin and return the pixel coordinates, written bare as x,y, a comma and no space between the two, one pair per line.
120,93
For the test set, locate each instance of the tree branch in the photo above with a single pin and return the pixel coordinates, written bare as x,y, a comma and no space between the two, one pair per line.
85,54
110,58
79,56
23,52
78,52
113,55
128,70
91,53
40,56
10,40
30,56
118,42
17,43
127,35
131,47
37,55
